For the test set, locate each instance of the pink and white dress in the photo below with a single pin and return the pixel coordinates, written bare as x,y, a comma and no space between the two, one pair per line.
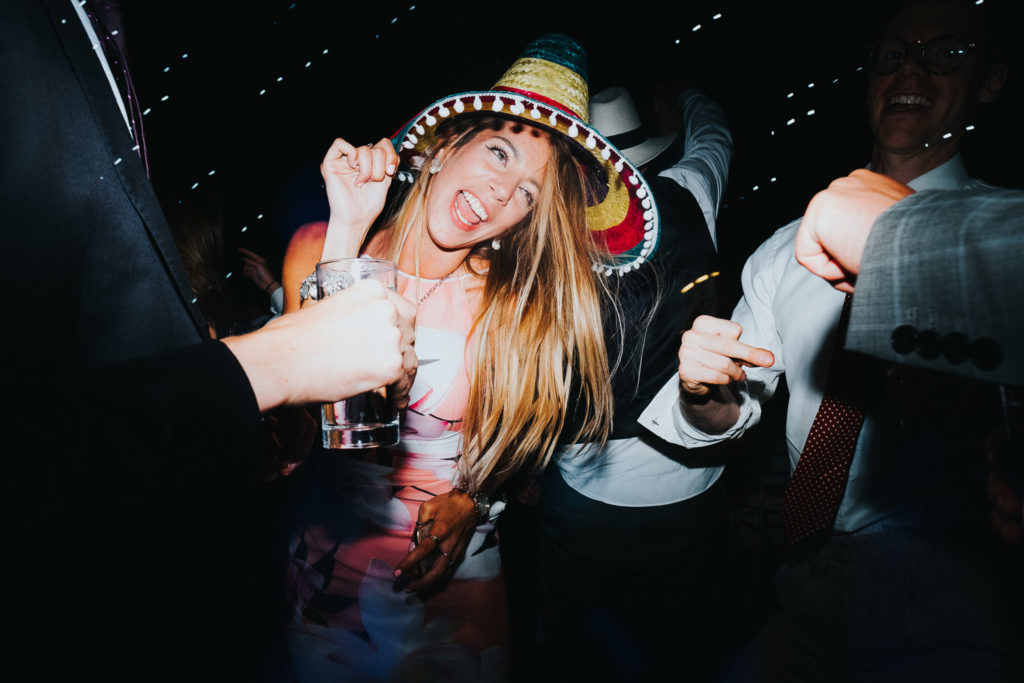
357,511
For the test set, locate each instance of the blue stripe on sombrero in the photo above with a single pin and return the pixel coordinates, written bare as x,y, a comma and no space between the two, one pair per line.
561,50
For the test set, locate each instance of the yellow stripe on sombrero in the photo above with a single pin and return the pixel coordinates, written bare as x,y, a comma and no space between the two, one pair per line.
552,81
612,211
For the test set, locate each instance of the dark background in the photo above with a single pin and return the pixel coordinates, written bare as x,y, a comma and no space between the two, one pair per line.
387,60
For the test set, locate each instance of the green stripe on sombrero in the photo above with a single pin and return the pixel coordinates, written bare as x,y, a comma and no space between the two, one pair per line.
560,50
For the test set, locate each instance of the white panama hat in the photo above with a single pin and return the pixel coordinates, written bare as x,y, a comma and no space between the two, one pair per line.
613,114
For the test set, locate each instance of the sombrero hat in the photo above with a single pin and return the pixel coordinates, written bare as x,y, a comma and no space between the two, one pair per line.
547,86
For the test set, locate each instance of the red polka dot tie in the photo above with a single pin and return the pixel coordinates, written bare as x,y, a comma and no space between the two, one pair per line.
811,500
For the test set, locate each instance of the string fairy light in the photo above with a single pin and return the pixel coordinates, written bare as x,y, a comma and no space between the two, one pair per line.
696,27
278,79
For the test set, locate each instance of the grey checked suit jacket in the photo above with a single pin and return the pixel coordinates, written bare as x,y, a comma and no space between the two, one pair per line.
941,285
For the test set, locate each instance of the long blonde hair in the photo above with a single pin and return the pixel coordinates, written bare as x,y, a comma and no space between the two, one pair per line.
541,294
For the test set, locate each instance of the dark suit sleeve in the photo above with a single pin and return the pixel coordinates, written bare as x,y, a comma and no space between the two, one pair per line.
190,409
130,500
134,499
149,449
940,285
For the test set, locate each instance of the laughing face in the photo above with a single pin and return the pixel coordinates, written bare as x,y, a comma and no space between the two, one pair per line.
487,186
910,109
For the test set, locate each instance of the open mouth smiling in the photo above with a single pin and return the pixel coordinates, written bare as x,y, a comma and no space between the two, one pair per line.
907,101
469,210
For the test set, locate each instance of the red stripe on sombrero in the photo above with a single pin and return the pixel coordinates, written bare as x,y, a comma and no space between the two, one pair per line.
546,100
626,235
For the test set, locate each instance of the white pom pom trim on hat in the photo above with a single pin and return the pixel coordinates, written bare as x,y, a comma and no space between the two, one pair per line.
599,147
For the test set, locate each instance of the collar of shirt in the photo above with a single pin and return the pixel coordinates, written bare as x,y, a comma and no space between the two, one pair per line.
950,175
98,51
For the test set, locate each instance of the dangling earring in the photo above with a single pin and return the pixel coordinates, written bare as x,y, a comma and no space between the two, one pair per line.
435,165
495,244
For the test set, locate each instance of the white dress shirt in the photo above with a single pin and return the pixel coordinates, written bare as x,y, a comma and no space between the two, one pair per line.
794,314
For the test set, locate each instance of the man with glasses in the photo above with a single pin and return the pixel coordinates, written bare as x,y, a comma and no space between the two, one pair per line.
929,72
890,571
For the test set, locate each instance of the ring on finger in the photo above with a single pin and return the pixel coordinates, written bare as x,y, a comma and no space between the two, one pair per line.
436,540
445,555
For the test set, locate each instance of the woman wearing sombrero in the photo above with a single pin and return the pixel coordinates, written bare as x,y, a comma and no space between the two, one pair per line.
515,218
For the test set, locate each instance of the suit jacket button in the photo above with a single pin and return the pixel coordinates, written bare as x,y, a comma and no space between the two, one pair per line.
928,345
986,354
904,339
956,348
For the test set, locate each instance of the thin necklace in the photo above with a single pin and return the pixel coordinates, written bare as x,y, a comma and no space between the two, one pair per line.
436,285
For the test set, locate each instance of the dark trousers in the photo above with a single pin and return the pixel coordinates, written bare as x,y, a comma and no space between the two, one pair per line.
900,605
631,594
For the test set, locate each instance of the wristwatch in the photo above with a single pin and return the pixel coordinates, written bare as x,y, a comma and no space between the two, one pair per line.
481,505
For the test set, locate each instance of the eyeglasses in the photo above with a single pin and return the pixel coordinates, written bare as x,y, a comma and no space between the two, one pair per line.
939,55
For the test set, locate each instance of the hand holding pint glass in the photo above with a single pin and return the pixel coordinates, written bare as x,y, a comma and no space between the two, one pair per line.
368,419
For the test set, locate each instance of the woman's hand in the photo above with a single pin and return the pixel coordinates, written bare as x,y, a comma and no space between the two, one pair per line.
357,181
452,520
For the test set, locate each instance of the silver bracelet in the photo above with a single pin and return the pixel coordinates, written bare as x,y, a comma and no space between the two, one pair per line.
307,290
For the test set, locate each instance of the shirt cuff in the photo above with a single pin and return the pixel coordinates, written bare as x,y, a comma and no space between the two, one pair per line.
664,417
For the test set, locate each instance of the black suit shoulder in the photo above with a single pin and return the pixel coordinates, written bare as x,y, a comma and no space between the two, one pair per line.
86,251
